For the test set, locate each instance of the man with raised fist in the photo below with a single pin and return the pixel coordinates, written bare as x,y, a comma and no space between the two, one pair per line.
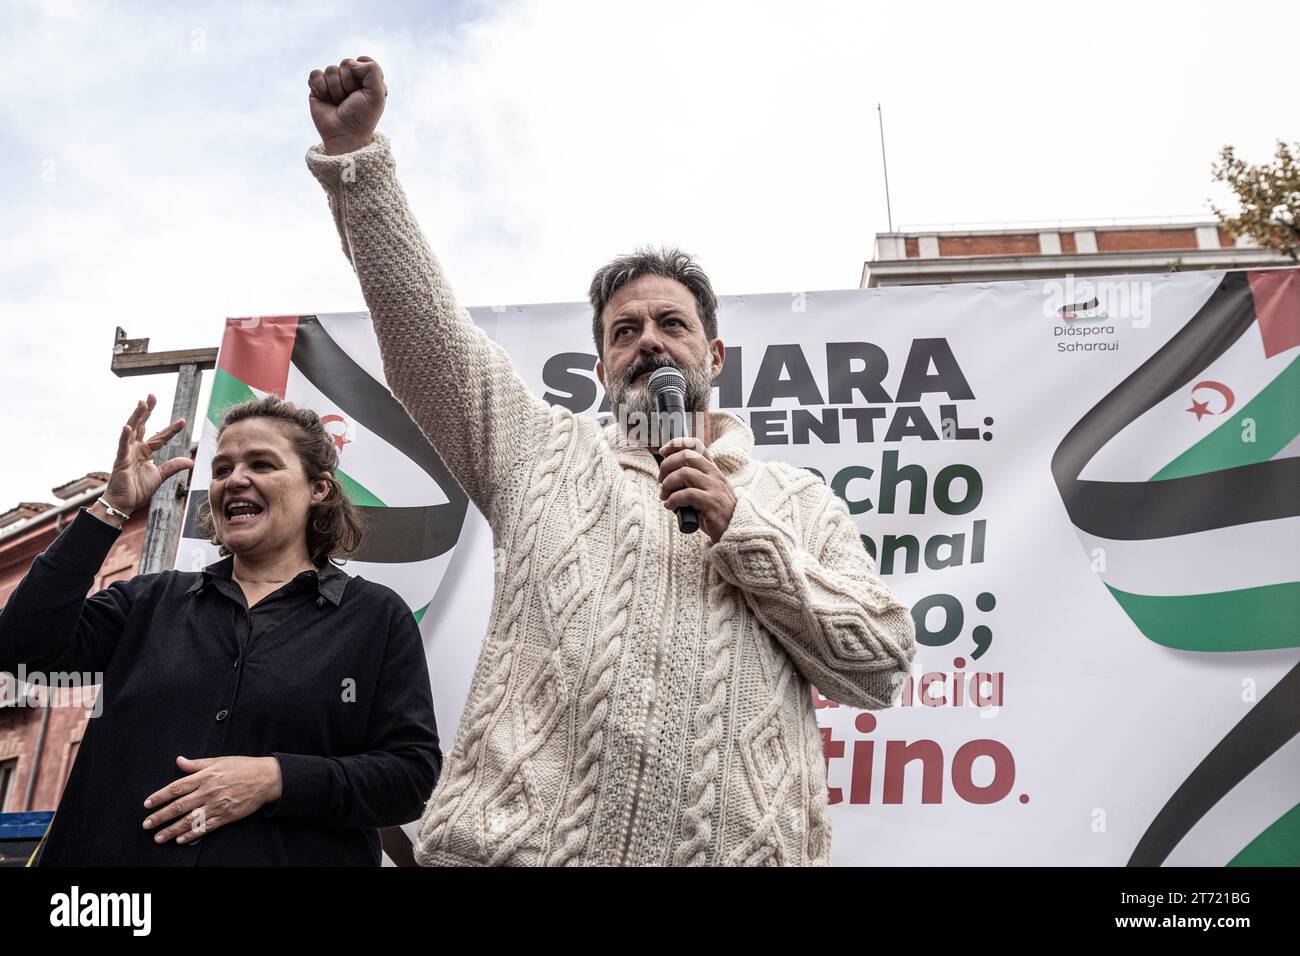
643,694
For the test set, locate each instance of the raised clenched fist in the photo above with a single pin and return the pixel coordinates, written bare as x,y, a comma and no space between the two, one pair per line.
346,103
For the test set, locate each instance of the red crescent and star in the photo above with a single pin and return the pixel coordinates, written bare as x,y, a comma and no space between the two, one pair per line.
339,438
1203,408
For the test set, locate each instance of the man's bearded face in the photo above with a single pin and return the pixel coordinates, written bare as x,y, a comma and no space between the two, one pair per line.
634,404
649,324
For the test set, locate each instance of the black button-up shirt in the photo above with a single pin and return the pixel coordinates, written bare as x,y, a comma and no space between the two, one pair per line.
327,674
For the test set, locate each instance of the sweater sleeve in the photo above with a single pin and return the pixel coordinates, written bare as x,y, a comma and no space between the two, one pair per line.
389,782
820,599
456,383
48,623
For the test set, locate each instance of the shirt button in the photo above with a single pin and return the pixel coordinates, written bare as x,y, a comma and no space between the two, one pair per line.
320,602
222,714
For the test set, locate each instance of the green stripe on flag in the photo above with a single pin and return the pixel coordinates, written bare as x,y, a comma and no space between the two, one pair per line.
357,493
1279,845
1276,413
1249,619
226,391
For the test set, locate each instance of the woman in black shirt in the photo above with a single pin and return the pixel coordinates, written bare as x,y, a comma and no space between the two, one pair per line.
267,710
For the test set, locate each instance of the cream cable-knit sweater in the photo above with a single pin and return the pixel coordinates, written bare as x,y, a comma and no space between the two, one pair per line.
642,696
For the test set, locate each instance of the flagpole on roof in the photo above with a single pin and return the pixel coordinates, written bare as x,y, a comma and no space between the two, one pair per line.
888,211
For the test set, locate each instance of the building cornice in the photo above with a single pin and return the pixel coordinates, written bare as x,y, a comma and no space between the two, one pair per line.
993,268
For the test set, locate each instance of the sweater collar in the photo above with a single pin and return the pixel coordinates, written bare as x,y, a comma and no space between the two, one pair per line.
733,443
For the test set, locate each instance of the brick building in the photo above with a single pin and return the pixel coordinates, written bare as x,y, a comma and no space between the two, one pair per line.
1043,250
37,742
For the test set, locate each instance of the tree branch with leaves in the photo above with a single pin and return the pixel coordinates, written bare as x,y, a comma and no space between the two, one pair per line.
1269,197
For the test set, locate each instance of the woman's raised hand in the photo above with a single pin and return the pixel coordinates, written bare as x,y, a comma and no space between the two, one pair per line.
135,477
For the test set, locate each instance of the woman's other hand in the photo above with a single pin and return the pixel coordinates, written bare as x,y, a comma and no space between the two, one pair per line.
214,792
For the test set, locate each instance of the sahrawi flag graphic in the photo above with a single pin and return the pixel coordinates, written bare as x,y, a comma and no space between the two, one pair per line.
1190,509
412,507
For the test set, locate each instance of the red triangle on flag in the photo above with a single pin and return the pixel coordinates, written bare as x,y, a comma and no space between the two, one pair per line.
257,351
1277,308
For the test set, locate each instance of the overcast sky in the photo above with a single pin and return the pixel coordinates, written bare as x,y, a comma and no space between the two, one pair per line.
153,171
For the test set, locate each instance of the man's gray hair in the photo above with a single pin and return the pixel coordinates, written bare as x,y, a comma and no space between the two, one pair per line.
667,261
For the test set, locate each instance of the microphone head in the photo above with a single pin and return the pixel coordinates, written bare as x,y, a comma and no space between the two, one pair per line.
663,379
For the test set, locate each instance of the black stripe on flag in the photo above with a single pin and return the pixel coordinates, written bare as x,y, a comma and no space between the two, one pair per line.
393,535
1270,724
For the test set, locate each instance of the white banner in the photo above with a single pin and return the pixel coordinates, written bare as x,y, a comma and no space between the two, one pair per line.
1088,492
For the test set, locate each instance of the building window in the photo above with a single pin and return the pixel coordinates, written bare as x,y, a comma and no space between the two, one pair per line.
8,771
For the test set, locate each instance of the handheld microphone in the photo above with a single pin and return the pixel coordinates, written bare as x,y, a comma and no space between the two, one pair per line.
668,386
